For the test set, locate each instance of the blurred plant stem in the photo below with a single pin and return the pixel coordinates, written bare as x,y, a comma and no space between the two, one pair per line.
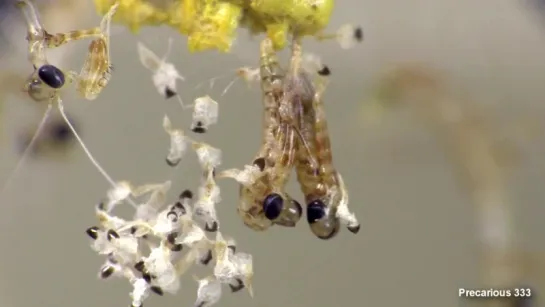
481,163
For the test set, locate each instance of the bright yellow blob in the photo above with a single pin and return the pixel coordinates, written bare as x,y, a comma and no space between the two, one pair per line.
208,24
300,17
212,24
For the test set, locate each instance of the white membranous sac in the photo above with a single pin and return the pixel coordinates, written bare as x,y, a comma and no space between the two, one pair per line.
205,114
232,268
209,157
209,291
165,75
178,143
246,176
209,196
347,36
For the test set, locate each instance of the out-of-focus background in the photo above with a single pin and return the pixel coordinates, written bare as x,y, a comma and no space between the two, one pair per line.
418,243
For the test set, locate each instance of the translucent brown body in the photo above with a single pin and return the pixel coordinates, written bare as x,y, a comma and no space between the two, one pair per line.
96,69
277,150
319,186
322,186
95,74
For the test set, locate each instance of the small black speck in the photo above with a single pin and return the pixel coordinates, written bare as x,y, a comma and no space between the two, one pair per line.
147,277
239,286
358,34
186,194
169,93
106,272
207,258
157,290
112,234
354,229
260,163
92,232
171,237
199,129
172,216
325,71
133,230
232,248
172,163
179,207
212,228
140,266
177,248
101,206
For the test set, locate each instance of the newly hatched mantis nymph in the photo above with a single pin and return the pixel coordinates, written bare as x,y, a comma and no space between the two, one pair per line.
47,80
325,193
263,201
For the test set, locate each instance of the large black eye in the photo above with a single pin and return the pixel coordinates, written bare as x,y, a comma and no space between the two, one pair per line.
51,75
315,211
272,206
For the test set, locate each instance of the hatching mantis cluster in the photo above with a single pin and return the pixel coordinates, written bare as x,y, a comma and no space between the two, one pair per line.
294,135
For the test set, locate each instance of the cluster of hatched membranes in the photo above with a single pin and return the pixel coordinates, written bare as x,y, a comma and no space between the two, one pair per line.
162,241
165,239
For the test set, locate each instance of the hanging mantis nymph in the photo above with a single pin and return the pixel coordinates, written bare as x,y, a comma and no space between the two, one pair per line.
47,80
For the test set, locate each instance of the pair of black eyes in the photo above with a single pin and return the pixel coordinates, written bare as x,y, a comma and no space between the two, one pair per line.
51,76
273,205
